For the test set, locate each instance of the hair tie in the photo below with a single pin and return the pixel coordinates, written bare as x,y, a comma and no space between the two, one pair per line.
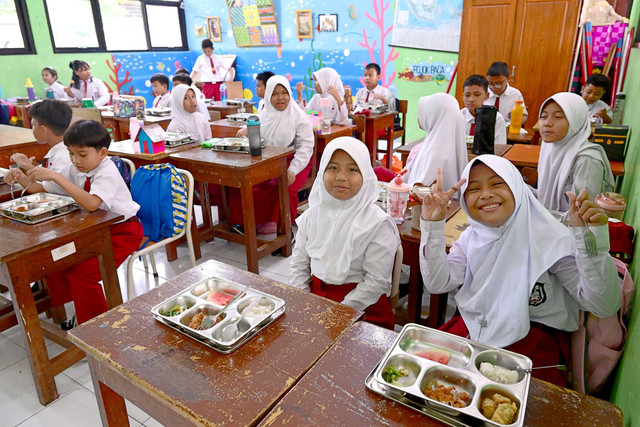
71,65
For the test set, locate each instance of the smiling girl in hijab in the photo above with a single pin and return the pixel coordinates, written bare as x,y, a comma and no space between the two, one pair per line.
567,159
328,84
521,275
345,244
184,116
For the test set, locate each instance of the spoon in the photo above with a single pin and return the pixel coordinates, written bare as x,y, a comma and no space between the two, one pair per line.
528,370
230,331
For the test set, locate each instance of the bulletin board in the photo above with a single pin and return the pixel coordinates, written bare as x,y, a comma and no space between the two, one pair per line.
254,22
428,24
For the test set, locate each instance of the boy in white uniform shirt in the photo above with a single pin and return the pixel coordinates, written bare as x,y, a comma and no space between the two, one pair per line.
160,84
372,93
50,119
594,89
474,94
50,77
83,85
261,85
94,181
501,95
212,71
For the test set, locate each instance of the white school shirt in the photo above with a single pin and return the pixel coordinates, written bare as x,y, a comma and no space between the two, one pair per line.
58,158
595,108
572,283
96,90
163,101
203,65
500,136
507,101
106,183
338,115
361,96
58,90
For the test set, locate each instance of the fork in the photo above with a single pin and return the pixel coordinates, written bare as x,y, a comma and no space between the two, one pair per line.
23,191
590,242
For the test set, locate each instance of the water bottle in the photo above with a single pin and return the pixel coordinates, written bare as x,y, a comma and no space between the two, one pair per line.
49,93
223,92
397,197
618,108
516,118
392,99
253,129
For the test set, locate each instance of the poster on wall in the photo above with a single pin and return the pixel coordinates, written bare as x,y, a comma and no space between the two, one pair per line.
428,24
253,23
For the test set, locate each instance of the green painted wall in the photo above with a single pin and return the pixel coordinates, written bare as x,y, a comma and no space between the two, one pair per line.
16,68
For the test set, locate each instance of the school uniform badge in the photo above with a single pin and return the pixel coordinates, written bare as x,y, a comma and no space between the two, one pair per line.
538,295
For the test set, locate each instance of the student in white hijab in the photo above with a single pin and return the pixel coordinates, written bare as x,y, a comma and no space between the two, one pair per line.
521,275
185,117
345,244
282,124
567,159
328,85
444,146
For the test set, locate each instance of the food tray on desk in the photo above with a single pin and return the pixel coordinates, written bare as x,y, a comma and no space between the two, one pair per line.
38,207
175,139
409,371
239,117
224,301
158,111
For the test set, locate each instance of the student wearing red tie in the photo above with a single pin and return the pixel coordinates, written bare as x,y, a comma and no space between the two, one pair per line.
212,71
501,95
83,85
160,84
372,93
474,93
94,181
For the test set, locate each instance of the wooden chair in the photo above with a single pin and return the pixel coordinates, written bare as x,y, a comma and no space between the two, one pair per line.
398,131
529,175
395,279
214,115
85,114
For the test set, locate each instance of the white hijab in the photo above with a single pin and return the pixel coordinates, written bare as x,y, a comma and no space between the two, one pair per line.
557,158
328,77
196,124
279,127
445,144
340,230
504,263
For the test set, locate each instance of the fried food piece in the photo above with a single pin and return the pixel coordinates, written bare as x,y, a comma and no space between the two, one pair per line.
488,407
447,395
498,398
196,320
505,413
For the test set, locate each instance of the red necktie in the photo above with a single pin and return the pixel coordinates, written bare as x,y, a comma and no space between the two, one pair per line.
497,104
473,129
85,88
213,68
156,101
366,100
46,163
87,184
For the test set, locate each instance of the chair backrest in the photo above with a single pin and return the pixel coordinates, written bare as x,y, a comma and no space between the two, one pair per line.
395,278
125,167
85,114
214,115
235,90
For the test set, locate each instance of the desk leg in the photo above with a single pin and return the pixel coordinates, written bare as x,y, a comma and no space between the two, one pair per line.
251,238
414,300
113,410
285,213
109,273
27,315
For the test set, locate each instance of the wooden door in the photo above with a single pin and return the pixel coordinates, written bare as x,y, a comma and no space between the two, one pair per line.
535,36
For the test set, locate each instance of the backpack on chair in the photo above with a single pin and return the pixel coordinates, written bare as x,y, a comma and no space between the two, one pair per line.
598,344
161,192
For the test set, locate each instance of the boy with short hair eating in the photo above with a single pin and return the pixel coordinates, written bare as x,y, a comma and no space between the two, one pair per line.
501,94
160,84
594,89
372,93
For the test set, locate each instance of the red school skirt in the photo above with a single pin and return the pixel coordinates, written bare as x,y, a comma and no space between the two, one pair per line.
543,344
379,313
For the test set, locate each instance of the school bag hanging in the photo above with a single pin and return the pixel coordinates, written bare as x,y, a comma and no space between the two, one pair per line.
485,130
160,190
123,169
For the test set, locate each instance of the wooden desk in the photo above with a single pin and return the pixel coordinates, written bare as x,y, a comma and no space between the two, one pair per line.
333,393
527,138
120,125
223,128
499,150
26,255
19,140
22,113
226,109
242,171
410,239
528,155
180,381
373,124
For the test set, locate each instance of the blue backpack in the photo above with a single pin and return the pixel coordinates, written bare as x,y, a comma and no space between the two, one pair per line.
123,169
161,192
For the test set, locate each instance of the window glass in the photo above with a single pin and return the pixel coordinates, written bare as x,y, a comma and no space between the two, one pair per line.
123,25
72,24
10,34
164,26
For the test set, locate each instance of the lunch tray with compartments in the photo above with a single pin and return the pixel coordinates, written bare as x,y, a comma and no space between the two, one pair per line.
218,303
176,139
38,207
427,361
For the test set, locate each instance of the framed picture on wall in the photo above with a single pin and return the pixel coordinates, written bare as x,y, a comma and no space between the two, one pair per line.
328,22
213,29
304,24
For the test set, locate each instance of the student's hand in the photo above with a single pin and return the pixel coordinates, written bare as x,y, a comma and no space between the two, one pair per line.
334,92
602,113
23,161
242,132
299,89
291,177
581,208
434,205
14,175
68,90
41,174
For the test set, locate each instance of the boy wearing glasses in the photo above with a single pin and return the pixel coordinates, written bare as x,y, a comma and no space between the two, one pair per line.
501,95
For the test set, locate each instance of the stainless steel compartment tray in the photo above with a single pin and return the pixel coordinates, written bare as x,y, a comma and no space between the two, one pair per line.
194,299
462,366
38,207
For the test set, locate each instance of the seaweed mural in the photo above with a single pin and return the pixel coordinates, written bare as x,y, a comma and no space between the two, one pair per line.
115,69
379,8
308,79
